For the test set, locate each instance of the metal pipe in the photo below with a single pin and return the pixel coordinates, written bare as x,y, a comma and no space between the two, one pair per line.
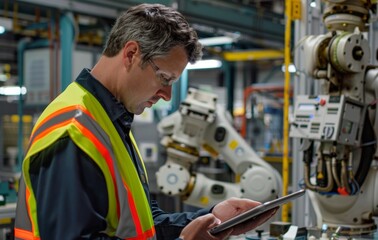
334,172
20,68
67,37
314,187
344,176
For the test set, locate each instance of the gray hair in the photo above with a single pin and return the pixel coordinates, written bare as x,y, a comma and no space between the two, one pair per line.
157,29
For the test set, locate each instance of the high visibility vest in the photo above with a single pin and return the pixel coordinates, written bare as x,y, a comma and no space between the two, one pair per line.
78,114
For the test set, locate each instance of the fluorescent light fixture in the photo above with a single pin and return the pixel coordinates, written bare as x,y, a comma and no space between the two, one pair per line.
292,68
212,41
12,90
205,64
5,24
3,77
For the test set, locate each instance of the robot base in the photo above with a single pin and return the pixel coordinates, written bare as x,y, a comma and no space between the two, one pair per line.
353,230
354,214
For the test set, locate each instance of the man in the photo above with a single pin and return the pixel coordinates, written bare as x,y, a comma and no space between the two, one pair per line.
83,177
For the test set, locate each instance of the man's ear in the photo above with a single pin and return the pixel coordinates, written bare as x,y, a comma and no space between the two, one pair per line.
129,53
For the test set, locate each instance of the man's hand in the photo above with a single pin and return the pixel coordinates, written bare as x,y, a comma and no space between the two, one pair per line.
235,206
199,227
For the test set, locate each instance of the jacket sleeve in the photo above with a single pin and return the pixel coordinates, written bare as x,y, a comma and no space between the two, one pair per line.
71,193
170,225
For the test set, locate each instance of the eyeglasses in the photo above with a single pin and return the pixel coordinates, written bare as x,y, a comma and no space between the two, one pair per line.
164,78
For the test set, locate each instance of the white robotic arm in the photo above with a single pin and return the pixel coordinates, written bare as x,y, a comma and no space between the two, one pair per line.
199,124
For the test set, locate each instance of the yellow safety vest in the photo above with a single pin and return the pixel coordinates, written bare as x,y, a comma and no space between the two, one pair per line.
78,114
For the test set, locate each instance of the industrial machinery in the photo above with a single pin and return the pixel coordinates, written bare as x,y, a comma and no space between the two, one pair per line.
199,125
338,126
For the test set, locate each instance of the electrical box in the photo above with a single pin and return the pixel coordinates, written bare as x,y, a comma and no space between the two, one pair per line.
328,118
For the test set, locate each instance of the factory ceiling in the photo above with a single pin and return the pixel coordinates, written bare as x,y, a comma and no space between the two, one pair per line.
255,24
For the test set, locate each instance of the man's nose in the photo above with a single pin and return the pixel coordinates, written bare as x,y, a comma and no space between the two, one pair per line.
165,93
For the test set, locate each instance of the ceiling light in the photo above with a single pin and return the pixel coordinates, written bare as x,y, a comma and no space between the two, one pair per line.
212,41
205,64
292,68
313,4
12,90
5,24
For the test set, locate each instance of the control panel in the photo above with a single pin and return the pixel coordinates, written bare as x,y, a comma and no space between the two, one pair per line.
328,118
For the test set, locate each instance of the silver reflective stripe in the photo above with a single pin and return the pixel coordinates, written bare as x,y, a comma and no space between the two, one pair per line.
22,220
126,227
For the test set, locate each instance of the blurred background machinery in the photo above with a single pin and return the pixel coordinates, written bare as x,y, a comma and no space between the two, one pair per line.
201,124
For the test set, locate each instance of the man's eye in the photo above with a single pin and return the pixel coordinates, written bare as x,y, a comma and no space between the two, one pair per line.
165,81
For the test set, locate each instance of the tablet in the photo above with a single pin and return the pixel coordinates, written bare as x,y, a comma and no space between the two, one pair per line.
256,211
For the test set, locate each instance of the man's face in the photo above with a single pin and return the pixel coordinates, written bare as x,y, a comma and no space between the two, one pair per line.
149,84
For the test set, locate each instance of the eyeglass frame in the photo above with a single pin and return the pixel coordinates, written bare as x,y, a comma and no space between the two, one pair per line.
164,81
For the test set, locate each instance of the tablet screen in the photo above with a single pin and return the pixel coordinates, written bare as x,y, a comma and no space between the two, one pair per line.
256,211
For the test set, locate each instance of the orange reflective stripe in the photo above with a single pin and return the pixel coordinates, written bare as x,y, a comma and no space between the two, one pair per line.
148,234
151,232
58,112
23,234
104,152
